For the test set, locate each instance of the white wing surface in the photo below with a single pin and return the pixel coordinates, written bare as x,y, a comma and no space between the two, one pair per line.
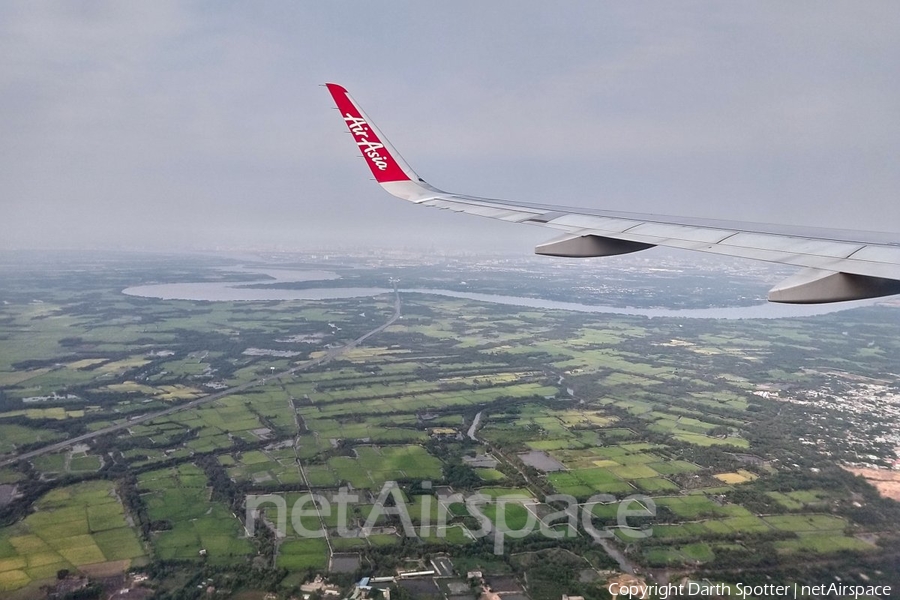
836,265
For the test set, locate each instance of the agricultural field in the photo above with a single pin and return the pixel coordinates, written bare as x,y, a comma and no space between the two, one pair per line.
191,526
695,423
15,436
81,526
372,466
302,554
270,467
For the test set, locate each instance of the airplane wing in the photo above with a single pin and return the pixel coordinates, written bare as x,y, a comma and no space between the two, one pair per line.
836,265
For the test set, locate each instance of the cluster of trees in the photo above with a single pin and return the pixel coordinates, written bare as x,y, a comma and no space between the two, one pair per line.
223,487
762,564
171,583
461,476
134,503
853,496
552,567
92,591
551,573
29,491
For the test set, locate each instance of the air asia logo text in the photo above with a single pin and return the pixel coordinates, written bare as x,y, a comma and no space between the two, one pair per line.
360,130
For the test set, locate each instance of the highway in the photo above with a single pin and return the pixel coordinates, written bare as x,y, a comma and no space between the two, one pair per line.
329,355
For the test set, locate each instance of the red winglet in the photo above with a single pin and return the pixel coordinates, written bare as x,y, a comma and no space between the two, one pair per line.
376,152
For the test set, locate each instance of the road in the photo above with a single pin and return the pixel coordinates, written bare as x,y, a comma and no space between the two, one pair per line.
329,355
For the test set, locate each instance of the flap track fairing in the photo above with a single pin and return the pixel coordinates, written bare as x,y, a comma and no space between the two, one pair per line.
586,246
813,286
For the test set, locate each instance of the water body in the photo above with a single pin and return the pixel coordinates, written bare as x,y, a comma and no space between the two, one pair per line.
474,426
231,291
225,291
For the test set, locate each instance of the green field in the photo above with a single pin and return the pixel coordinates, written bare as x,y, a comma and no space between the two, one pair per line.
309,553
697,414
372,466
824,544
73,526
490,475
180,498
508,516
585,482
13,436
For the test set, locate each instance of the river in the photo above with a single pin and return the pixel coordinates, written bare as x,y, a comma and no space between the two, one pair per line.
230,291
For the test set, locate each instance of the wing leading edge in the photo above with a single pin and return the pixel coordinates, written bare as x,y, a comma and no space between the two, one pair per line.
836,265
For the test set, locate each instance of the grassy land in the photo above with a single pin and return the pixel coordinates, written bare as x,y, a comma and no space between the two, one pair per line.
180,498
71,527
664,408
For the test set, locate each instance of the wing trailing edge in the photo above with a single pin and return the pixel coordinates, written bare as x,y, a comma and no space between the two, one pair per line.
837,265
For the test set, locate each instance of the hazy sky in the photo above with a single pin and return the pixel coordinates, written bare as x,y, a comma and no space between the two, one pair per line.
202,124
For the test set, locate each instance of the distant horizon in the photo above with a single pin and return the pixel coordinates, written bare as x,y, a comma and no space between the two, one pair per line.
646,258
